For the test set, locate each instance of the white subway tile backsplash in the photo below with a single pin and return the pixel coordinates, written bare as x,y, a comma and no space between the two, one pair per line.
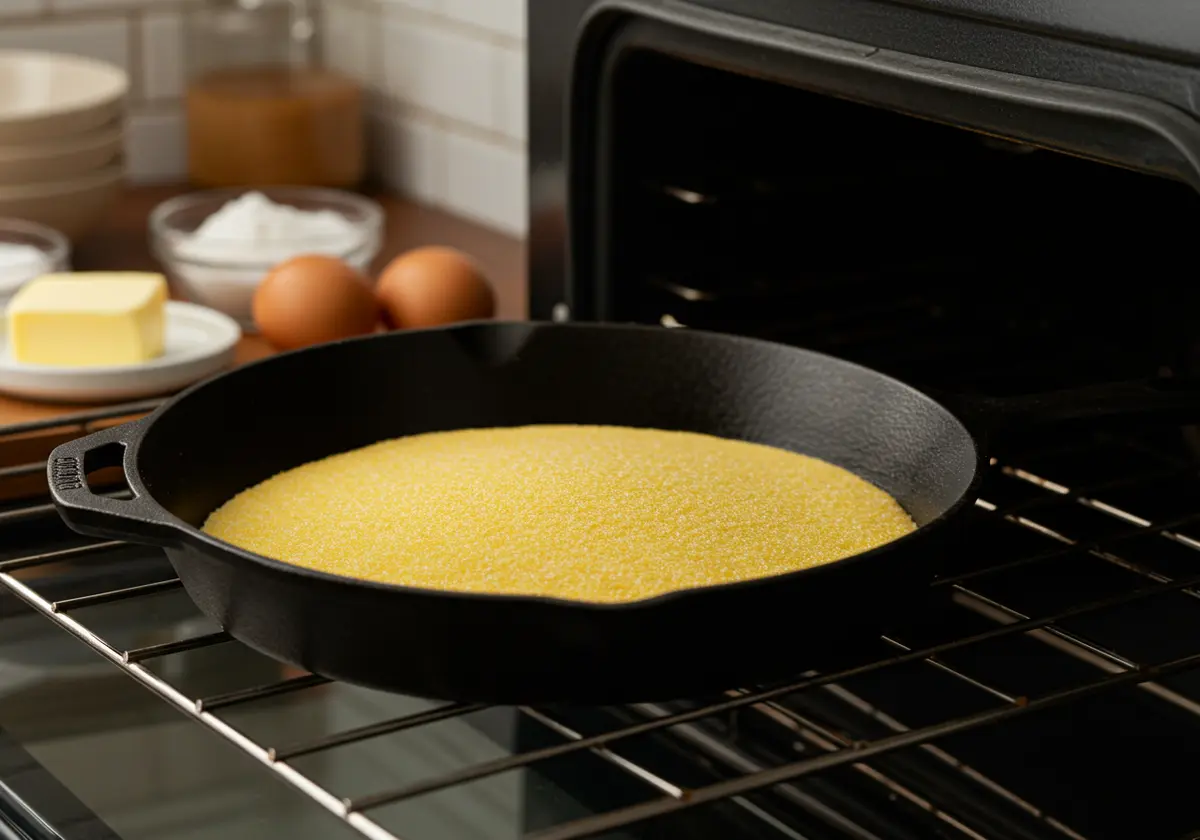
410,156
511,94
441,71
19,7
422,5
71,5
486,182
106,39
458,64
446,78
155,147
162,55
506,17
346,40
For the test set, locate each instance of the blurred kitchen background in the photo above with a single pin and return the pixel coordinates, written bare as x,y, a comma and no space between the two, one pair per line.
445,83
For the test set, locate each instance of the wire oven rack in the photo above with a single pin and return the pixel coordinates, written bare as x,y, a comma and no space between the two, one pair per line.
1113,669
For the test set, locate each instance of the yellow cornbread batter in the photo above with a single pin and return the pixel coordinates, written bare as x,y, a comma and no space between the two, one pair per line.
593,513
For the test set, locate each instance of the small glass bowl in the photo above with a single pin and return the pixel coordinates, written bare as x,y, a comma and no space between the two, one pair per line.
224,275
53,255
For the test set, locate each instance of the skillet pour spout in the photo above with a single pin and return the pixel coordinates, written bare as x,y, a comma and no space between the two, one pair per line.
234,430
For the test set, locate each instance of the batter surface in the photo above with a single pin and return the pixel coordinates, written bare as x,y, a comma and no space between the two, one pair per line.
594,513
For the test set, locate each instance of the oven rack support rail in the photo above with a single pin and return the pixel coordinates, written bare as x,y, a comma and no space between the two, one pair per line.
1115,670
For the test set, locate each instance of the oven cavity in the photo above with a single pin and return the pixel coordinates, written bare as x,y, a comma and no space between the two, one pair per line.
988,246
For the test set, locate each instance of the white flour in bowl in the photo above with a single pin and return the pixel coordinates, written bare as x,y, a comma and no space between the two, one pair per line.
222,262
20,263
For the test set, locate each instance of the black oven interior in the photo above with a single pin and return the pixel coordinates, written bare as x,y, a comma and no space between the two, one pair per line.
950,257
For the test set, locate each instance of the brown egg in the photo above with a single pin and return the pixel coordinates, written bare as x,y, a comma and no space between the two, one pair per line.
312,299
435,285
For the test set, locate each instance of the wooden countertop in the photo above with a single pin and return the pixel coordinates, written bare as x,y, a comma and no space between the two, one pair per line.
122,243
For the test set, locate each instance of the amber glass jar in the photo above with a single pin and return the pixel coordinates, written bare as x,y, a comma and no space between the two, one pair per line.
259,111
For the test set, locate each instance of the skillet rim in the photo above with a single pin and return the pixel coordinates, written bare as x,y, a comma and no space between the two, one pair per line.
192,534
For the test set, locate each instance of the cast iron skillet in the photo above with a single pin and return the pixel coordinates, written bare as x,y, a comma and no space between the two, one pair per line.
221,436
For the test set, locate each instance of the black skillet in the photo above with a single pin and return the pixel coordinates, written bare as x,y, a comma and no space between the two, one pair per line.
221,436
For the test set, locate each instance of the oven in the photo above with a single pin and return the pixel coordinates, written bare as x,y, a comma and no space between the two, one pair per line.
979,198
976,198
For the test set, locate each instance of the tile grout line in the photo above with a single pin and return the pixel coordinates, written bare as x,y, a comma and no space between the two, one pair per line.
172,107
135,58
390,106
133,15
376,68
387,110
48,12
444,22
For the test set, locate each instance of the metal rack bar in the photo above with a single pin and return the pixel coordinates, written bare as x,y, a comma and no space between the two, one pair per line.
750,698
614,820
115,595
20,470
25,514
713,746
170,648
44,511
1028,560
361,823
813,733
977,602
1088,652
795,721
653,779
374,730
82,419
47,557
1142,524
1073,545
259,692
954,672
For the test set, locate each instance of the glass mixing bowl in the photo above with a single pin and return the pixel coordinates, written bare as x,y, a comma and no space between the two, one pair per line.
222,271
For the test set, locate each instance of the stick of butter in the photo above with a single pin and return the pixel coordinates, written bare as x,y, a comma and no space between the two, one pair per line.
88,319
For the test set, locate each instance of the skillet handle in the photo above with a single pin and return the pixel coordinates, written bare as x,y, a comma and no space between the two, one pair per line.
1165,399
135,520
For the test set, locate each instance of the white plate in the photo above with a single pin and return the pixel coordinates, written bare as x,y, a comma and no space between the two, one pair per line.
199,342
47,95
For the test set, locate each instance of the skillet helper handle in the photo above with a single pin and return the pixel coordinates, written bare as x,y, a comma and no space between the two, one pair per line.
1166,399
95,514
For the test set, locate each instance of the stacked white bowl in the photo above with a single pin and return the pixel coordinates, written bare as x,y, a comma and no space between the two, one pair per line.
61,138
